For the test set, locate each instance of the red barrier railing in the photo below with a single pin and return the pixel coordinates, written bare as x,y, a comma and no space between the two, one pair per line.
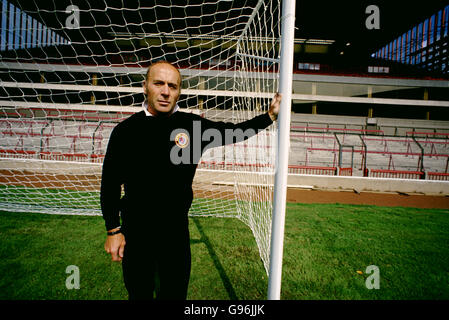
47,155
330,129
221,165
345,172
438,176
378,173
312,170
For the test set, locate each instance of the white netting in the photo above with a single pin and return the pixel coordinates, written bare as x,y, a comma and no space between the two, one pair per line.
70,72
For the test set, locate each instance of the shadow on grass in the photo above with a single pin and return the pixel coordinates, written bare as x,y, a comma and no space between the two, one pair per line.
224,277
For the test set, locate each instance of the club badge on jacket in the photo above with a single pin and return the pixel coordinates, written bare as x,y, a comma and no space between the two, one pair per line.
182,140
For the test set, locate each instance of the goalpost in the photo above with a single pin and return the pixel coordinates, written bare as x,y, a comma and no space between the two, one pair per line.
280,195
68,75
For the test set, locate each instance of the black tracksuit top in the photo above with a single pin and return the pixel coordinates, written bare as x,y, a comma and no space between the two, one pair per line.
158,192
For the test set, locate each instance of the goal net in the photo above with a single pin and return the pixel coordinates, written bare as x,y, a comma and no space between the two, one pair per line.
69,74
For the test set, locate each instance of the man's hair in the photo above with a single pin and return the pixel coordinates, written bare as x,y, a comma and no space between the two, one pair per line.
162,62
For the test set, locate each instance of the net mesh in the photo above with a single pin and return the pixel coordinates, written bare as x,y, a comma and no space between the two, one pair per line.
70,73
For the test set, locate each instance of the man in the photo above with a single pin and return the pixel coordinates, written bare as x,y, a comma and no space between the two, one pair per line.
152,240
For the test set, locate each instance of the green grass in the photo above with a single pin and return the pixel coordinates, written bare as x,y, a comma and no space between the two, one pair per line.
325,246
51,198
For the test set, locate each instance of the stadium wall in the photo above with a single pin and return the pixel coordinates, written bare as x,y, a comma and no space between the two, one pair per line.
341,183
205,176
368,184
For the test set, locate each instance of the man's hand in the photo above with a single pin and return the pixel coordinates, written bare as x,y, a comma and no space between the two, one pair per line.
115,246
275,106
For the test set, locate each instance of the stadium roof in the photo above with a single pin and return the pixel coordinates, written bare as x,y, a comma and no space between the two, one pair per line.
343,22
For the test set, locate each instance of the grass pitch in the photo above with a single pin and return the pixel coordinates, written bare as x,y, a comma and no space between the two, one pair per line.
327,250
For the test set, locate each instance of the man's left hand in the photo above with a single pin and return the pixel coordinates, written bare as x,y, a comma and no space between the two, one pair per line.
275,106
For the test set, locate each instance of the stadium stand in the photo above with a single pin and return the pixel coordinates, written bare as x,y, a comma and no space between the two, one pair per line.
320,144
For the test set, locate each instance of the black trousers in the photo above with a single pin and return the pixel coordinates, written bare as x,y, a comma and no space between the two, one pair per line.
157,269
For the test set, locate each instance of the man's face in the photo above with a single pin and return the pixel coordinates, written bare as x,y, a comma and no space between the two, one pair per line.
162,88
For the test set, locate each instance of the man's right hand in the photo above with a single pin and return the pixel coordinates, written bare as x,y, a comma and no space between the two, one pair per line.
115,246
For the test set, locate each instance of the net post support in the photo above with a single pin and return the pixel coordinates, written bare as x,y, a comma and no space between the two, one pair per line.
280,183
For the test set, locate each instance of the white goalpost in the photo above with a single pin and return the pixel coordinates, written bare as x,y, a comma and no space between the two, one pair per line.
280,194
69,75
